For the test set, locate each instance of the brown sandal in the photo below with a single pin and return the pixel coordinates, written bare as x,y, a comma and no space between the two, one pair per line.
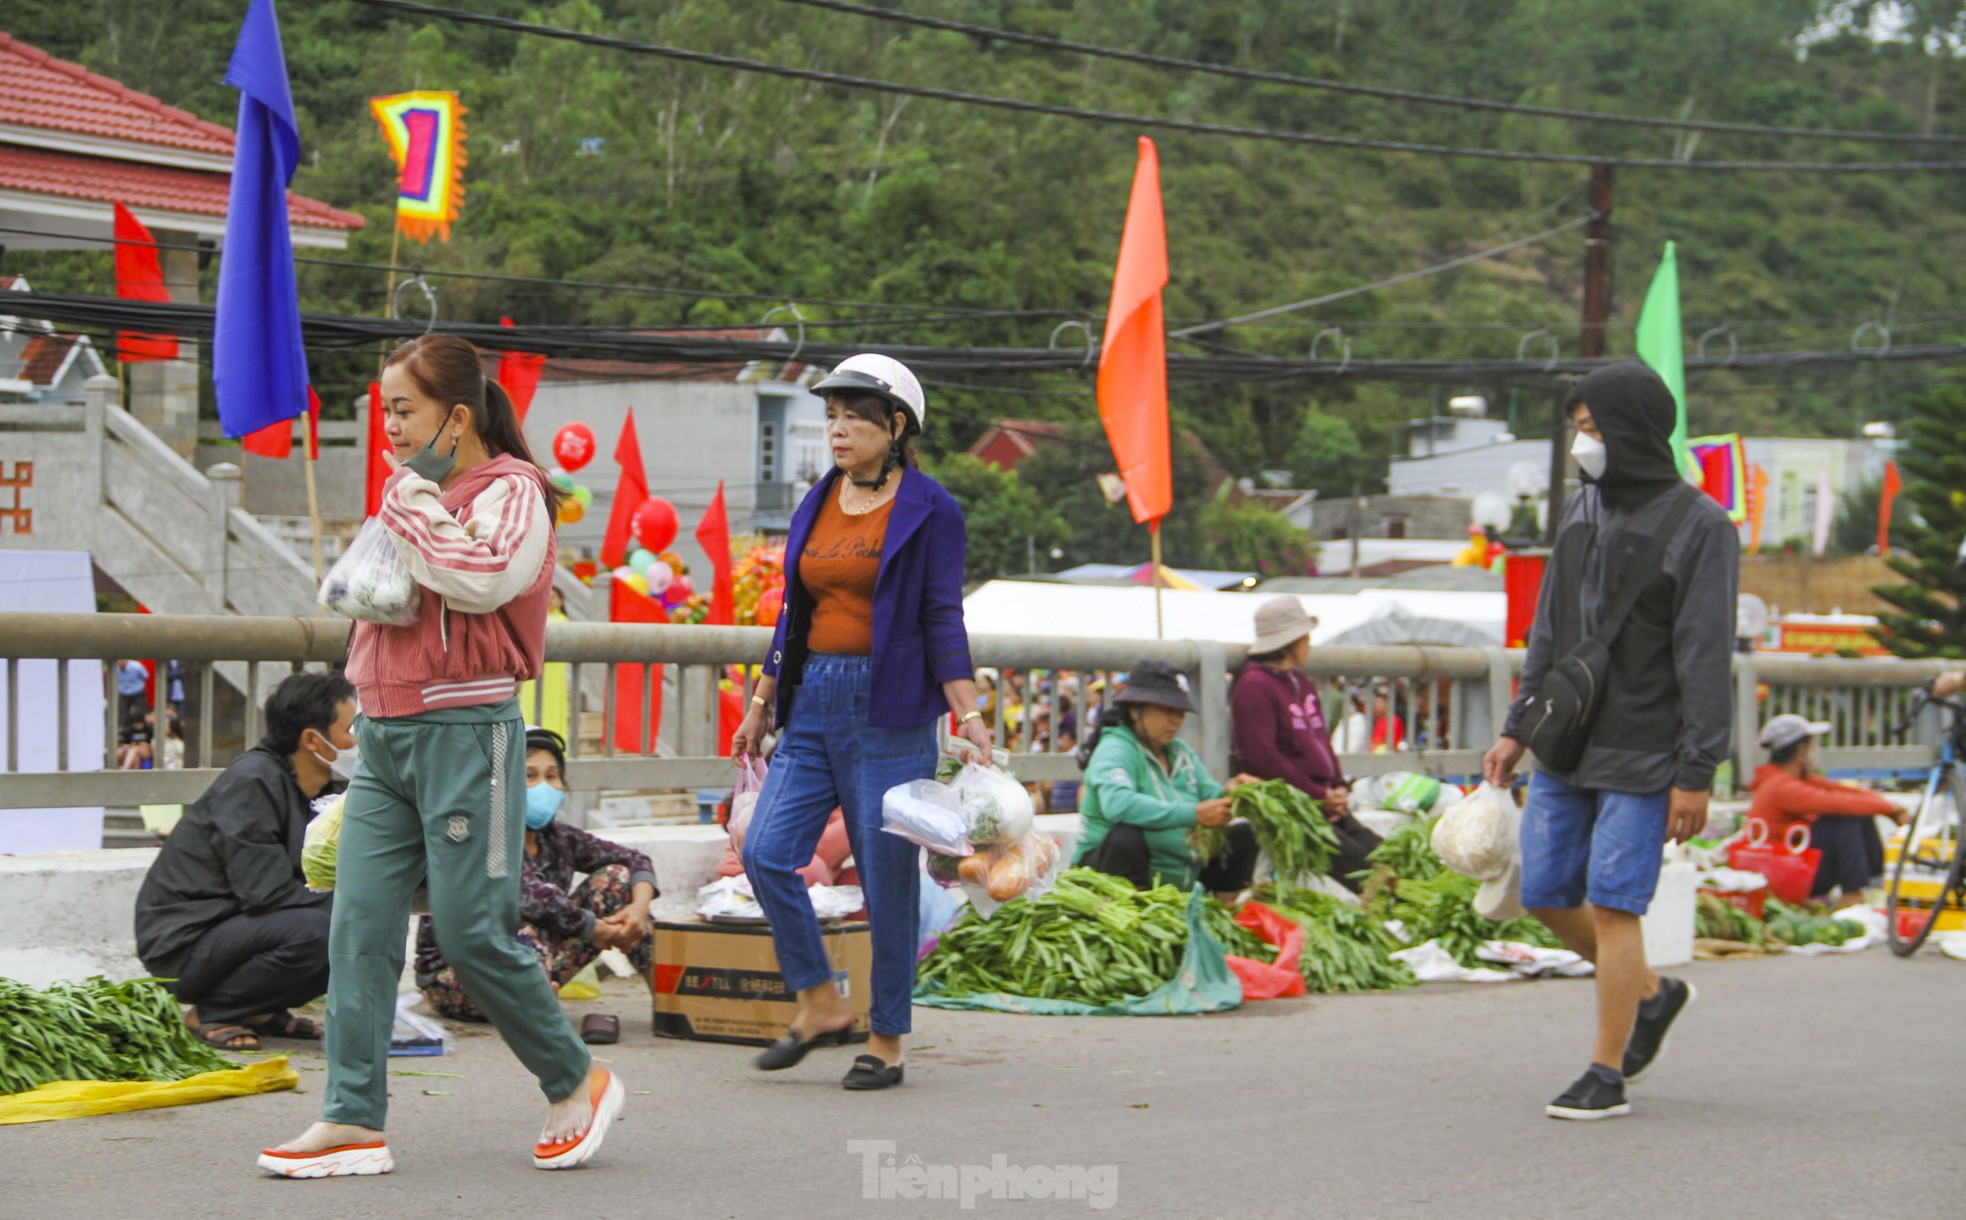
287,1025
226,1037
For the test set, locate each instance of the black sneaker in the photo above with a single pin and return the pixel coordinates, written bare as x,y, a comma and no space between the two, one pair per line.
1598,1093
1655,1018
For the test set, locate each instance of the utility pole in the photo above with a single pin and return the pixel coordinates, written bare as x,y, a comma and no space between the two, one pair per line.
1597,309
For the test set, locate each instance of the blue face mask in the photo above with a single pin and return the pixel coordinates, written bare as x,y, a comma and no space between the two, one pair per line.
543,800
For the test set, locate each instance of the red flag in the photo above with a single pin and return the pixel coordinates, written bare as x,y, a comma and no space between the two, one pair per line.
313,425
629,496
275,440
713,535
139,277
1885,500
627,606
378,469
1133,361
518,373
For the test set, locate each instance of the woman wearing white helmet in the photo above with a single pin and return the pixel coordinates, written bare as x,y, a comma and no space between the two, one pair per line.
870,651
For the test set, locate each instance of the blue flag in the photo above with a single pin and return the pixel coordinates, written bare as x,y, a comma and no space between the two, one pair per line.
259,368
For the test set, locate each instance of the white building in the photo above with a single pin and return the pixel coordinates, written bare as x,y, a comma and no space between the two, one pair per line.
1464,456
755,426
39,365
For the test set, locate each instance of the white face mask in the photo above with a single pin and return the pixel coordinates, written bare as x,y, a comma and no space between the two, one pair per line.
342,764
1590,454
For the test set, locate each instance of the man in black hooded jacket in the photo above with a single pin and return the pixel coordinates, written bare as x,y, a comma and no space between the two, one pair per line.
1595,834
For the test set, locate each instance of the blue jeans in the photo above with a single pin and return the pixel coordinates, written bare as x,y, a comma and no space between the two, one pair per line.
830,757
1585,844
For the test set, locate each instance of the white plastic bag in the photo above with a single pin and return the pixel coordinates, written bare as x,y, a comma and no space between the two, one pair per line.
997,806
416,1034
370,581
931,814
1476,837
320,845
729,900
744,801
1402,792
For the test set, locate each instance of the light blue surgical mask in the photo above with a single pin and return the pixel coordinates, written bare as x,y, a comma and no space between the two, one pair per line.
543,801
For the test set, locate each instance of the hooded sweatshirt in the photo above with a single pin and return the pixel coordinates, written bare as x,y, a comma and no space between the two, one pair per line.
481,552
1667,712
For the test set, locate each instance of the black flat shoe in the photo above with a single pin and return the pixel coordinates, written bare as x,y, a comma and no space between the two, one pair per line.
870,1073
787,1051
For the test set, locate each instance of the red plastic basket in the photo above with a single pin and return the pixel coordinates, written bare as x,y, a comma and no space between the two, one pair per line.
1789,866
1749,901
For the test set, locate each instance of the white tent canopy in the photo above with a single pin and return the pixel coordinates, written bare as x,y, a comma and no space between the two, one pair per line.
1009,607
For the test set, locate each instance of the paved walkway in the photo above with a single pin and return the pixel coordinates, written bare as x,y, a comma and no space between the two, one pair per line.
1796,1087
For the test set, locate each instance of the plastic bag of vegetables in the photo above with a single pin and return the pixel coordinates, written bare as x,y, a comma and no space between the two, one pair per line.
998,808
320,846
1476,837
370,581
931,814
1000,872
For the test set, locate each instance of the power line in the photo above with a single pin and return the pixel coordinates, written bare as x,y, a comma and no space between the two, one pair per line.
1136,121
1401,278
340,331
1000,34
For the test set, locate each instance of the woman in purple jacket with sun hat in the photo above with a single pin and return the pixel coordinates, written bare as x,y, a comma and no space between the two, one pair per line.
869,652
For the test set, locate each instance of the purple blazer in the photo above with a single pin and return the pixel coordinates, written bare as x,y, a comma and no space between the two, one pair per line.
919,638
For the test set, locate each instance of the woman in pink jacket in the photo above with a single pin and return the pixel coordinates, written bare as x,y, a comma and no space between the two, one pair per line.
439,793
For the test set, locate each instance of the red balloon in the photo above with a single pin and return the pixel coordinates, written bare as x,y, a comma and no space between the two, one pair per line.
573,446
655,524
771,603
683,588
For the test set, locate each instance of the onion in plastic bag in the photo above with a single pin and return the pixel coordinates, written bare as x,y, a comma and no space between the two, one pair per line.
370,581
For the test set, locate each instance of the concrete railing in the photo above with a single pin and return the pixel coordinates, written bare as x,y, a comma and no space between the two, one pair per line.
1454,698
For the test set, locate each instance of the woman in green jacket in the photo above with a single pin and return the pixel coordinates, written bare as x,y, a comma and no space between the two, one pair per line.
1145,791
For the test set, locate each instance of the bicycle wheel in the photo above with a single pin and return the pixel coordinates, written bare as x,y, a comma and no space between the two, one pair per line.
1927,871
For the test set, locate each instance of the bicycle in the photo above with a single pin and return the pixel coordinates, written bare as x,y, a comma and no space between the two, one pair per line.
1928,846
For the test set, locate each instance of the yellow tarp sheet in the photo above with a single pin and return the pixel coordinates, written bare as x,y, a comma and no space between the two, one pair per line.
82,1098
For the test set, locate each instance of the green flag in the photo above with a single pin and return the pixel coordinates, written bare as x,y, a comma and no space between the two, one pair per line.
1661,346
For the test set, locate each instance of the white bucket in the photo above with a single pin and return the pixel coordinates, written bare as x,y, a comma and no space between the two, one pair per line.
1668,923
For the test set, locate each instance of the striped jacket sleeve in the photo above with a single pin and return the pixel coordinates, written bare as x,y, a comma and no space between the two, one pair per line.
482,562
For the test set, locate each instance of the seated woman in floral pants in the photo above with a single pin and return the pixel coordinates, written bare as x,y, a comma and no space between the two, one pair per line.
567,925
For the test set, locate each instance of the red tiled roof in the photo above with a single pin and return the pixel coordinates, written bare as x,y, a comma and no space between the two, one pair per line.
42,358
56,95
145,186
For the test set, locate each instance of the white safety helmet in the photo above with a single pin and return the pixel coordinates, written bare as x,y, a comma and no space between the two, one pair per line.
870,373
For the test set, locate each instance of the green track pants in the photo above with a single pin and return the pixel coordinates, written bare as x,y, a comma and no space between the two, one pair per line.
439,796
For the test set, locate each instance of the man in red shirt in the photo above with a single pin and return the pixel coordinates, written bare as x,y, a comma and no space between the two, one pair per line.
1842,820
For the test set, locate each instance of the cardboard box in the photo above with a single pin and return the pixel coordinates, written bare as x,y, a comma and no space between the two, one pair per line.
720,982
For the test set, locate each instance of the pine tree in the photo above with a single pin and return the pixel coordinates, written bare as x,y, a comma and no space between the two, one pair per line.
1929,619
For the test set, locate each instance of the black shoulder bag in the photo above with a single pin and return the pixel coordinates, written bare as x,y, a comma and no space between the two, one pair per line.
1558,722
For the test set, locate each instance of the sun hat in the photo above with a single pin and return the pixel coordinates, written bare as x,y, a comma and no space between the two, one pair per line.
1280,622
1158,683
1788,728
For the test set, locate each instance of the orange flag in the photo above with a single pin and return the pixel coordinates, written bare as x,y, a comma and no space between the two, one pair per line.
1133,359
1888,496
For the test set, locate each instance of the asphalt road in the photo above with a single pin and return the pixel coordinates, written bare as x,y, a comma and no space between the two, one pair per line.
1795,1088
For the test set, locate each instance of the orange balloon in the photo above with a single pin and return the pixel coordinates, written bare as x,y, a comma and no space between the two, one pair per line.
571,511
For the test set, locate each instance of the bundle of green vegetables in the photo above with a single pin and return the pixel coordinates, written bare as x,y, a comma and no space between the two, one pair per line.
1092,939
1796,927
1407,853
96,1030
1441,908
1289,826
1344,948
1714,918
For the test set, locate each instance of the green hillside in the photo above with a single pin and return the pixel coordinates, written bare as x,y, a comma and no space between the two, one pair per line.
706,179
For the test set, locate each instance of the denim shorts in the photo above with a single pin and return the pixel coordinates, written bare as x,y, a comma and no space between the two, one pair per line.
1587,845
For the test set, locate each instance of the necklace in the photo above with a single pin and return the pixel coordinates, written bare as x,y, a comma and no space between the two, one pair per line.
874,500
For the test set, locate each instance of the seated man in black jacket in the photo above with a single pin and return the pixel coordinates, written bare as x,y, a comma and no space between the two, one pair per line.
224,911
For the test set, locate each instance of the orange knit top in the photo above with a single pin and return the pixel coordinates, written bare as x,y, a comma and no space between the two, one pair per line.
842,557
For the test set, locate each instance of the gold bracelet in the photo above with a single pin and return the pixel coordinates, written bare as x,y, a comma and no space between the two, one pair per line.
971,714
